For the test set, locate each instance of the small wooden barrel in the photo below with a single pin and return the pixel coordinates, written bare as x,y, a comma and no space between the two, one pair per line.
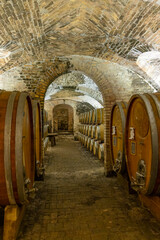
97,116
90,117
88,142
142,143
95,147
117,130
100,132
82,139
101,151
87,117
85,141
86,130
80,135
37,125
102,116
89,130
83,130
93,131
91,145
17,163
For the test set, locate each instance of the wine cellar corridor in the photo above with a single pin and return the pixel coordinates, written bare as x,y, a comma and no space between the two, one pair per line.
77,202
80,119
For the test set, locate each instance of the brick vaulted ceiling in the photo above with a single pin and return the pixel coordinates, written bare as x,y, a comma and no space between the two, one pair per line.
36,30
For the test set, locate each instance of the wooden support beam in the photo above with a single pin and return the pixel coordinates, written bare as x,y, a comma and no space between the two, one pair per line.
13,215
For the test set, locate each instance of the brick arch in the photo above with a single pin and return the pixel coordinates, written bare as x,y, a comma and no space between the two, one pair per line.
115,82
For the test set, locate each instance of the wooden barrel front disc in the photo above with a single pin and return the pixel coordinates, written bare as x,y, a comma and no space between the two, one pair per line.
142,144
117,130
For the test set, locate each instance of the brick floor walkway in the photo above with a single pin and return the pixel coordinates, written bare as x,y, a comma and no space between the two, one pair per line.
77,202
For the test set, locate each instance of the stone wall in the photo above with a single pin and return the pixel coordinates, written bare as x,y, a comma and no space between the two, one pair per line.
51,105
62,118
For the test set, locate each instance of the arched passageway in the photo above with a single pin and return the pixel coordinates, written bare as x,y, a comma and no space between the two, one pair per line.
62,118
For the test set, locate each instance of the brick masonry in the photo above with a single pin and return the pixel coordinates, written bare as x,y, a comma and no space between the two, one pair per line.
41,40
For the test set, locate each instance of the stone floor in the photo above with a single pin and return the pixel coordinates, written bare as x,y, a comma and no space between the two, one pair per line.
77,202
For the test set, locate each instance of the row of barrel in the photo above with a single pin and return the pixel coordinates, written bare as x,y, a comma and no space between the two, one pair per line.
92,137
135,141
95,116
20,146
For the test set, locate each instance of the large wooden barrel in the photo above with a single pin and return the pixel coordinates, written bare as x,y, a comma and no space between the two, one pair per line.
142,143
37,125
117,131
101,151
93,131
17,165
100,132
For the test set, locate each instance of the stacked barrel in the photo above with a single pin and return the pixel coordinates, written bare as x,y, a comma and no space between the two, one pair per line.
20,148
91,131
